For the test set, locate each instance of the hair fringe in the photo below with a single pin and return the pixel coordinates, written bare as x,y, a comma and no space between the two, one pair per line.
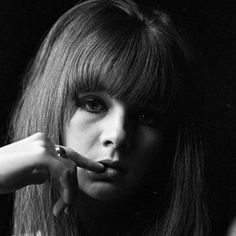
85,51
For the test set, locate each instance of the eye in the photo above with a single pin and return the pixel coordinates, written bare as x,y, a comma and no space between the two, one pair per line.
147,117
92,104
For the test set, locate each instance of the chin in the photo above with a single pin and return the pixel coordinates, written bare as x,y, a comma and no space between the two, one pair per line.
103,191
100,187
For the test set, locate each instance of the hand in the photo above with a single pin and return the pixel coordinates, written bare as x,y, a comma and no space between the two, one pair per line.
33,160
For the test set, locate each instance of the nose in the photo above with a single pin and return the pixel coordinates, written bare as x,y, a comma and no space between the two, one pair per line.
114,133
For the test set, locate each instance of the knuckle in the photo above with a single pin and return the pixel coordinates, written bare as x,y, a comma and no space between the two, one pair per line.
40,140
40,143
41,151
39,135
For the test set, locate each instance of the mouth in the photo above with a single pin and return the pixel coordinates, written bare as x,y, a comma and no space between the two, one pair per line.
113,171
109,164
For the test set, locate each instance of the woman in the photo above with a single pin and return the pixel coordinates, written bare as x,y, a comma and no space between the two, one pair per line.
104,130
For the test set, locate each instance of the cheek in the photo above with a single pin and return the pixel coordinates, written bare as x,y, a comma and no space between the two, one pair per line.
156,163
79,134
149,147
150,142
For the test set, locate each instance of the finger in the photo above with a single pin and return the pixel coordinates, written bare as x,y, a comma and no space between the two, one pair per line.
63,172
82,161
59,207
67,210
67,183
67,194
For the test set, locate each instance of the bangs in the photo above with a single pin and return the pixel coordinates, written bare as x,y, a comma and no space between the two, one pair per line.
126,62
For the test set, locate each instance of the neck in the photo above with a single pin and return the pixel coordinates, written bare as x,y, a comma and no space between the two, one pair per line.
105,218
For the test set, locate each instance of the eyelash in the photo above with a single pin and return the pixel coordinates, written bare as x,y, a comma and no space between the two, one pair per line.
141,116
147,117
85,104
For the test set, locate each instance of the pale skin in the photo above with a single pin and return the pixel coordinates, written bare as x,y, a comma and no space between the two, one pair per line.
102,127
127,134
105,128
33,159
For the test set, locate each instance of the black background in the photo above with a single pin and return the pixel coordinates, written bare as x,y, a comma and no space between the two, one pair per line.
210,28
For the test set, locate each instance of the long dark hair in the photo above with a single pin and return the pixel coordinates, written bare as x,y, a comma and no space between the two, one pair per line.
131,53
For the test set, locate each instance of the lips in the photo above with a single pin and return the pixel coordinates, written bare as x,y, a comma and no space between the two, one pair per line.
112,165
113,171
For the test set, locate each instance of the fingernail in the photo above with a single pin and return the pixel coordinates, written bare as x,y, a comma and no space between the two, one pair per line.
55,212
66,211
102,167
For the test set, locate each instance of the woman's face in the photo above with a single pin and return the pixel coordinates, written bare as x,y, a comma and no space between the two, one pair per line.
125,137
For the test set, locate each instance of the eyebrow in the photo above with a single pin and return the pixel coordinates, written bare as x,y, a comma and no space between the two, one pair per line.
144,105
149,105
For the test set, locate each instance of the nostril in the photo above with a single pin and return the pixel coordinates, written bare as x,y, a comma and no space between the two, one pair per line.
123,144
108,143
113,139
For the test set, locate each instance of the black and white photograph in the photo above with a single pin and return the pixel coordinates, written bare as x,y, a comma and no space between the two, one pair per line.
117,118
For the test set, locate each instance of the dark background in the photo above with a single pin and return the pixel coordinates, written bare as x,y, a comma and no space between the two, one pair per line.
210,28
